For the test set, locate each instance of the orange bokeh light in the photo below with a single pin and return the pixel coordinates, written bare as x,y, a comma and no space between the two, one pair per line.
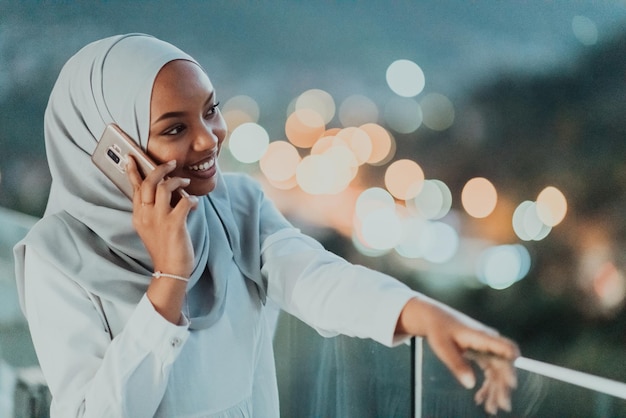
479,197
382,143
304,127
404,179
280,161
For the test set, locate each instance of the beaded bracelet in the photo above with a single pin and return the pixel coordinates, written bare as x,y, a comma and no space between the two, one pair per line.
158,275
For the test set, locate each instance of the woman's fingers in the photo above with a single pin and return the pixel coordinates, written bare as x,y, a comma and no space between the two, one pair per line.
165,188
149,185
449,354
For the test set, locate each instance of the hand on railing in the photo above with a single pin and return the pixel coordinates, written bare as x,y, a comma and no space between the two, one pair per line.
499,379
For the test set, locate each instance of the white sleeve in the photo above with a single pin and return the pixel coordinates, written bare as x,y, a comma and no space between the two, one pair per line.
330,294
90,375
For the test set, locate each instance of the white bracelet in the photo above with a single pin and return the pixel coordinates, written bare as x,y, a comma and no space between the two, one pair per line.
158,275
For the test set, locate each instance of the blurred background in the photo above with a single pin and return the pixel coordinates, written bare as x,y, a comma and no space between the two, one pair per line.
475,150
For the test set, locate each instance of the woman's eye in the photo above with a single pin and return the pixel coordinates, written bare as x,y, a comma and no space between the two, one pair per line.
175,130
213,109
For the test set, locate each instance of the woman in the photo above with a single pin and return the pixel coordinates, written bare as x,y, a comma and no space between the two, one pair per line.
155,307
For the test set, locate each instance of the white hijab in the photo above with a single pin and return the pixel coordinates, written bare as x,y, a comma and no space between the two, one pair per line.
110,81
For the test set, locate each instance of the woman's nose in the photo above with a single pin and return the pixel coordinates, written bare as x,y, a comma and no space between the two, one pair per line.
206,138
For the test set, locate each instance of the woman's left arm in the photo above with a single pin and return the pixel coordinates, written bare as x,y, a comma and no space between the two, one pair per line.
336,297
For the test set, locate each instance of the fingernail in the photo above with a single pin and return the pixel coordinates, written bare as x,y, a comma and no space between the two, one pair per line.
186,181
172,162
468,381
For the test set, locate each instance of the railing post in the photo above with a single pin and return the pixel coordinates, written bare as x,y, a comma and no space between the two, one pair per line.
416,377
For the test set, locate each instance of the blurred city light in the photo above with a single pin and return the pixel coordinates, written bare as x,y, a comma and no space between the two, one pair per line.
325,173
501,266
359,143
383,144
551,206
245,104
403,115
527,224
433,201
248,142
381,228
372,199
609,285
442,242
303,127
319,101
405,78
413,242
479,197
585,30
357,110
279,163
404,179
239,110
437,111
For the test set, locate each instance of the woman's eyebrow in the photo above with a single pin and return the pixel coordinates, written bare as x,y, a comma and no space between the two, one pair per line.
176,114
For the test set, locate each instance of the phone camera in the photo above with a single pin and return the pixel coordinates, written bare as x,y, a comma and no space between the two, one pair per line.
112,155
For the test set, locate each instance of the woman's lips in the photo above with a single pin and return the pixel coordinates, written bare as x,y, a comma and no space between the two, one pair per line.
204,169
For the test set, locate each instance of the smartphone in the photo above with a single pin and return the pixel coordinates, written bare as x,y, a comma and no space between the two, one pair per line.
111,155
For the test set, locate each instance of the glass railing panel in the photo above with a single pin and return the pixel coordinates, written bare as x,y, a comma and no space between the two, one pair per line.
542,391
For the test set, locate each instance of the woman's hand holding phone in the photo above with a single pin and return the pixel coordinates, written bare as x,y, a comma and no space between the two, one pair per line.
163,230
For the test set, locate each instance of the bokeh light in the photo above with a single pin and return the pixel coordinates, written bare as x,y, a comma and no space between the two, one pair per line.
359,143
326,173
479,197
405,78
372,199
403,115
434,201
383,144
501,266
248,142
357,110
437,111
585,30
239,110
527,224
279,163
404,179
414,240
442,242
381,229
304,127
319,101
551,206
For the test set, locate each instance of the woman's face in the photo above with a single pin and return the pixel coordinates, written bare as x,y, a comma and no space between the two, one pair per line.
186,124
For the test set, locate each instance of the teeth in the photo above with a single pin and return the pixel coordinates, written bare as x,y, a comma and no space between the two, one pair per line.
204,166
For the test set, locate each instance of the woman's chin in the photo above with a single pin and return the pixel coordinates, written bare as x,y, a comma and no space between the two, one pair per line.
201,188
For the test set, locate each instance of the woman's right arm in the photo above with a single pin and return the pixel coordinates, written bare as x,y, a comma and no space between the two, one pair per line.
90,375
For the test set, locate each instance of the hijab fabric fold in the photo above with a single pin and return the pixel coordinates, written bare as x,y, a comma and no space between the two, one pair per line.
87,227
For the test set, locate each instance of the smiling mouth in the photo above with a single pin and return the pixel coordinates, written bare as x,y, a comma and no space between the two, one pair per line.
203,166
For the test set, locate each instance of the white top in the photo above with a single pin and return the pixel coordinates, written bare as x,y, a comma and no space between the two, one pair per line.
155,368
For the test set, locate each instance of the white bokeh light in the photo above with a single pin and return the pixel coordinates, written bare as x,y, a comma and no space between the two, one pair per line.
381,229
318,100
405,78
527,224
433,201
403,115
585,30
372,199
443,242
501,266
248,142
438,111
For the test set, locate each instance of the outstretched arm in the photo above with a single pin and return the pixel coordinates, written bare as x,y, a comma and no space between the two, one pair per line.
455,338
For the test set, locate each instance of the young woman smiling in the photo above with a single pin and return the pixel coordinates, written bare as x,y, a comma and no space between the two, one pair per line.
156,307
